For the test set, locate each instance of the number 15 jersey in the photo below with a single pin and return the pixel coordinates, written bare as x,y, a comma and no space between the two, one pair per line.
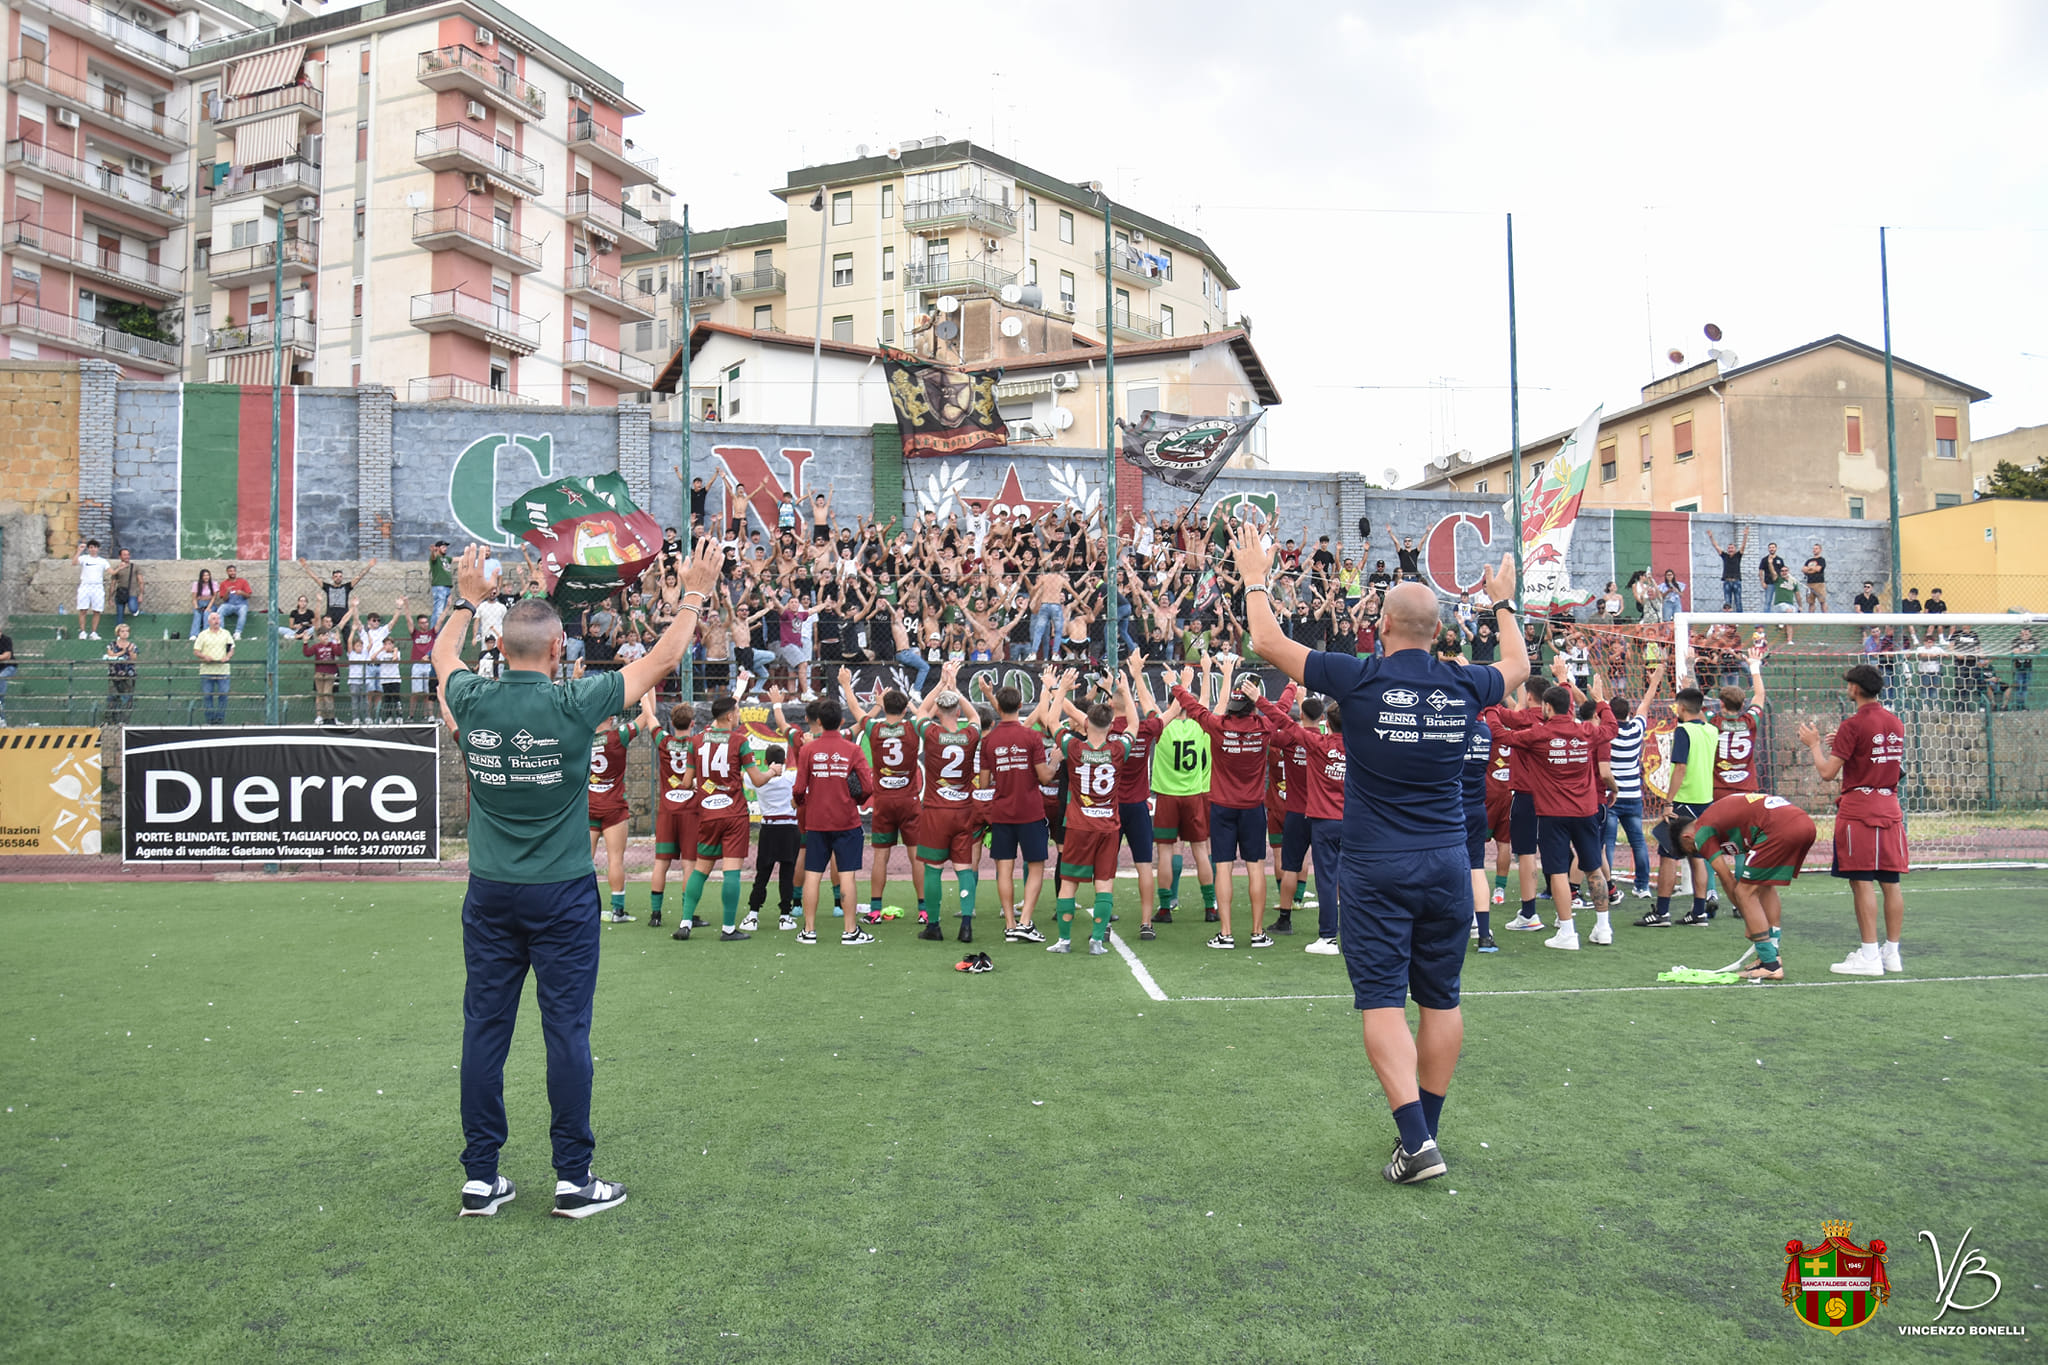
1180,760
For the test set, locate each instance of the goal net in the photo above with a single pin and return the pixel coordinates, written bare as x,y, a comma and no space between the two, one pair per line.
1975,784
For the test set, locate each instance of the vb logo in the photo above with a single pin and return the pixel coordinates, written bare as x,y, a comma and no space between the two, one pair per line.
1965,1263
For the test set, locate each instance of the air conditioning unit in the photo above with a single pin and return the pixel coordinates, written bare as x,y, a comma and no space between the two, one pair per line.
1066,380
476,109
308,204
475,183
601,245
575,91
484,37
66,119
137,166
1137,237
989,245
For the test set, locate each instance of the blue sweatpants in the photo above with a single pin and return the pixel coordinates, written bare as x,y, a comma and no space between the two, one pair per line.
553,928
1326,839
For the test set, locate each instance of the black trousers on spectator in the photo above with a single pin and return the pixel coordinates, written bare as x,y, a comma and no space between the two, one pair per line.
776,846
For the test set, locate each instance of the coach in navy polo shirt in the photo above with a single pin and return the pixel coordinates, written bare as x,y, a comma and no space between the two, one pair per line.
1406,889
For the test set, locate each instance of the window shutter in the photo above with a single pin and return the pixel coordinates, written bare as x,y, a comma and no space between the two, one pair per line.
1944,426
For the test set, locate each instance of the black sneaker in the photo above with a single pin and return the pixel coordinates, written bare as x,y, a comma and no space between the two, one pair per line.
733,936
1028,933
1285,924
1146,931
1655,919
1713,907
480,1198
1222,941
654,919
1614,894
1412,1168
932,932
981,963
966,934
1211,917
580,1201
1261,941
1165,915
682,932
1487,945
699,922
1696,919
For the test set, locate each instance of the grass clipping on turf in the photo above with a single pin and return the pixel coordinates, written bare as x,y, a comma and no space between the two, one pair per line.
1695,976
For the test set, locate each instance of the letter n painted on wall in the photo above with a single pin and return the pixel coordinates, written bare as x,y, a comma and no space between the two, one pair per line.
224,472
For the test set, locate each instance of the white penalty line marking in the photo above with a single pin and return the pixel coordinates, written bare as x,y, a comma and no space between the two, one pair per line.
1608,990
1130,958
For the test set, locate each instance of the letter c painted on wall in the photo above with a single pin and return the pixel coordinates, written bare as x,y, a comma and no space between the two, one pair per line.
1440,552
473,482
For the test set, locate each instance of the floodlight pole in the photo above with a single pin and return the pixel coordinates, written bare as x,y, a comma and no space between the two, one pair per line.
1514,419
1109,508
1891,419
270,699
685,673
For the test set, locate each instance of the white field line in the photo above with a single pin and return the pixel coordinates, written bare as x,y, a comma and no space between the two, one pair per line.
1632,990
1145,980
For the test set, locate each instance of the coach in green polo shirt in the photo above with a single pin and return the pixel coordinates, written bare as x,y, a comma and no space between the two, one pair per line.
532,900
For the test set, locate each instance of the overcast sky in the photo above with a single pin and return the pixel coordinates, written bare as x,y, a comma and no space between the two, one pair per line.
1667,166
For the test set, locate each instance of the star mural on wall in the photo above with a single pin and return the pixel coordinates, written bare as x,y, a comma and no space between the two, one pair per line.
1011,497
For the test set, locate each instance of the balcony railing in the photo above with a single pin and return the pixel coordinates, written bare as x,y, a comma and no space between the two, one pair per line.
625,296
466,68
1131,324
486,234
87,336
456,145
262,335
706,291
1131,264
591,137
286,180
608,219
453,310
299,256
447,388
970,276
959,208
98,103
138,273
131,37
305,100
747,283
95,179
590,355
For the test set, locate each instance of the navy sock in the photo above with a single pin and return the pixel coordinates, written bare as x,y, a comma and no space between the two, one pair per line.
1485,922
1414,1127
1528,909
1699,905
1432,1110
1663,905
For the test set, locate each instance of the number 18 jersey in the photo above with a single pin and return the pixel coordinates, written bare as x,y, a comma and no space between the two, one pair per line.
1091,780
1180,760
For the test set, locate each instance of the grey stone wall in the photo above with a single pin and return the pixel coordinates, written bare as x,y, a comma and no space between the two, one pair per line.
370,457
328,483
97,402
145,492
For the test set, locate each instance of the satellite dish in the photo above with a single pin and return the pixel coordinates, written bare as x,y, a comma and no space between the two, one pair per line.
1062,419
1390,477
1674,355
948,304
1713,332
1013,327
1012,294
861,151
893,152
1365,528
948,330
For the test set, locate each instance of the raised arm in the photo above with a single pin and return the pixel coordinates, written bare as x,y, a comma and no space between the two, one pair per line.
854,712
1254,561
700,575
1513,664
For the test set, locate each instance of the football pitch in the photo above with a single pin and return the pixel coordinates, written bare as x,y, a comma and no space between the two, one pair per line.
230,1135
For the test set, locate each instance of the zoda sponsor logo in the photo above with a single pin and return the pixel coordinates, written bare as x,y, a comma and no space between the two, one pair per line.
485,739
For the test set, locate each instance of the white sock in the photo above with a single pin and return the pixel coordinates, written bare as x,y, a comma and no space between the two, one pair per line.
1892,944
1870,950
1600,919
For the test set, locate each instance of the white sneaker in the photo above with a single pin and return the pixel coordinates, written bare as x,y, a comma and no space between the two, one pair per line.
1323,947
1060,945
1526,923
750,923
96,635
1888,954
617,917
1642,895
1856,964
1567,939
786,922
1602,935
1500,897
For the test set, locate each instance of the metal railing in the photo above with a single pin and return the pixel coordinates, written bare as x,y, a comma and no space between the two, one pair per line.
584,351
95,177
592,280
303,98
1133,262
123,33
607,215
100,100
295,174
591,135
439,388
240,260
477,228
453,304
940,274
298,332
461,140
135,270
1127,321
769,281
88,336
707,291
489,74
968,206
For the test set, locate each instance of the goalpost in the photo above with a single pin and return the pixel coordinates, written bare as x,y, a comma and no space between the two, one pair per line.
1975,782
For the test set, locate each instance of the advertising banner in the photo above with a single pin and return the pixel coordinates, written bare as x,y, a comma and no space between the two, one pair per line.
281,793
50,790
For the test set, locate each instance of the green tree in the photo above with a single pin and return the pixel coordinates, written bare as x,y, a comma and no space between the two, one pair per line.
2011,481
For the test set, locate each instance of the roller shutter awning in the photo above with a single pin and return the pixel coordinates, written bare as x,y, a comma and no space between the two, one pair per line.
271,70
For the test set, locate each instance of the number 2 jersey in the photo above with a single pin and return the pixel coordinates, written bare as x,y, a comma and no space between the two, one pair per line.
952,760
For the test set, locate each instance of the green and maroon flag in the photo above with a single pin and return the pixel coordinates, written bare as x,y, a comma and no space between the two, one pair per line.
1835,1285
1184,452
224,472
591,539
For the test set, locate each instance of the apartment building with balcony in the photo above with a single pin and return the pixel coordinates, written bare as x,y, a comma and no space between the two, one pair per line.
895,234
95,180
423,194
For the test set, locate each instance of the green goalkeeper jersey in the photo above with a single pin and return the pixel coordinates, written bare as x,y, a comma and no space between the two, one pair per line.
1180,760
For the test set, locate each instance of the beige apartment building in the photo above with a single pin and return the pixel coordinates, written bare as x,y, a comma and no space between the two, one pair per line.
444,183
96,183
1800,434
896,233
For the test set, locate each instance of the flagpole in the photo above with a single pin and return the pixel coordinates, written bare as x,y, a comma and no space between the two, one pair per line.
685,674
1514,418
1109,508
1891,422
270,698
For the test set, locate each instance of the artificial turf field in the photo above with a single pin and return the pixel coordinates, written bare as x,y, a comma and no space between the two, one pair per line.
230,1134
